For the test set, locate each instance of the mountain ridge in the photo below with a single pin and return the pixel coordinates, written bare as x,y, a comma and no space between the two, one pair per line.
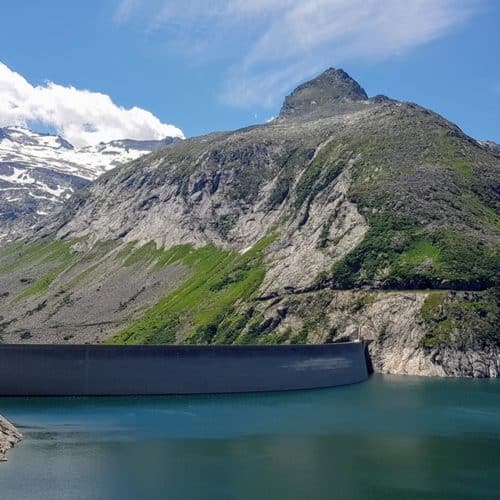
379,221
38,171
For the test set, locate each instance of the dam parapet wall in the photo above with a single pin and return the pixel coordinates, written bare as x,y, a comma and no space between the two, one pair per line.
105,370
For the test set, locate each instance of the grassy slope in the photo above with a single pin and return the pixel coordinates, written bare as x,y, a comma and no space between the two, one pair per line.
53,253
400,256
55,256
218,280
462,320
434,217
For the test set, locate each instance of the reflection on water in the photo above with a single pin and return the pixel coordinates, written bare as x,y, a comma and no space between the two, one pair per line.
391,437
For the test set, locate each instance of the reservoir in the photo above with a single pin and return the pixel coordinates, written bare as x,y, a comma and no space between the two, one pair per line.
391,437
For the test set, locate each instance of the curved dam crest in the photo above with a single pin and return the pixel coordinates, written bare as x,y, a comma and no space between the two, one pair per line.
104,370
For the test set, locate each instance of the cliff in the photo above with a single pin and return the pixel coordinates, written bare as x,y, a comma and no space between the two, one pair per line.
346,216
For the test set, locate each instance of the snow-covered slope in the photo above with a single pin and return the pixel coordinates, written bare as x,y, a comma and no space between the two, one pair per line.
39,171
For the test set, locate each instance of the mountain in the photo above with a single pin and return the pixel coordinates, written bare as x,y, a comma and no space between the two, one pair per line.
328,94
39,171
346,217
492,147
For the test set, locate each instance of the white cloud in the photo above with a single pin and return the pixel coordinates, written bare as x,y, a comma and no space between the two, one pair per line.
81,116
274,44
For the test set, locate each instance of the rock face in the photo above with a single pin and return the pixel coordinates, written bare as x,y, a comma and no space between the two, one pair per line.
39,171
332,92
346,217
9,437
491,147
396,326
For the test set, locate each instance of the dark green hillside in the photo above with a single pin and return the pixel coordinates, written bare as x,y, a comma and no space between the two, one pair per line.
430,195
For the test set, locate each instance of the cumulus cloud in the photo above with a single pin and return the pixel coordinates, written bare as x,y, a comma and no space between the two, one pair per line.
276,43
81,116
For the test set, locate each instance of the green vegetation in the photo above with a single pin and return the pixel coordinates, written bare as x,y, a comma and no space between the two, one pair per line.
323,237
286,177
301,337
218,280
45,251
462,320
478,210
41,251
149,255
433,214
439,326
230,328
453,155
363,300
322,171
225,223
432,305
255,330
246,324
252,328
53,255
144,255
278,337
397,255
40,285
281,189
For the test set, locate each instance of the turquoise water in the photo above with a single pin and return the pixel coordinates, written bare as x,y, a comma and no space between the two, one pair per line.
388,438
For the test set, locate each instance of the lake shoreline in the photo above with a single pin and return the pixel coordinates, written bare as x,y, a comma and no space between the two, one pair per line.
9,437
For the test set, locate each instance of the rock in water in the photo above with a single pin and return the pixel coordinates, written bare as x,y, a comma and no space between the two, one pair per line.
9,437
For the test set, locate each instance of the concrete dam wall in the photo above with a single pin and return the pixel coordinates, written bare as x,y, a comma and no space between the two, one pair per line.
102,370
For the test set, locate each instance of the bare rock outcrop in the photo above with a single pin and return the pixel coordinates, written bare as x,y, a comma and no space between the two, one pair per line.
398,326
9,437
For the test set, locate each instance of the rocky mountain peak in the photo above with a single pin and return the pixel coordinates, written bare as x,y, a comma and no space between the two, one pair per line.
331,92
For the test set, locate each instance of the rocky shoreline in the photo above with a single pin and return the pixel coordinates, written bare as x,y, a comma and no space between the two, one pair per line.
9,437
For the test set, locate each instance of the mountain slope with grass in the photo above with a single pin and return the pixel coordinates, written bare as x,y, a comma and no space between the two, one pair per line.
345,217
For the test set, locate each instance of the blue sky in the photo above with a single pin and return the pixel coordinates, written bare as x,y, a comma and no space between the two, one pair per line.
222,64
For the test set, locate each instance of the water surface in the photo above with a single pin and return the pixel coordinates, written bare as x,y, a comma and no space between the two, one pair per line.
388,438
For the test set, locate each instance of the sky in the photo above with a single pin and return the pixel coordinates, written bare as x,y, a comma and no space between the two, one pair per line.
94,70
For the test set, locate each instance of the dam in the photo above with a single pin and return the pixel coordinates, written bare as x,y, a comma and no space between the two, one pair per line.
120,370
